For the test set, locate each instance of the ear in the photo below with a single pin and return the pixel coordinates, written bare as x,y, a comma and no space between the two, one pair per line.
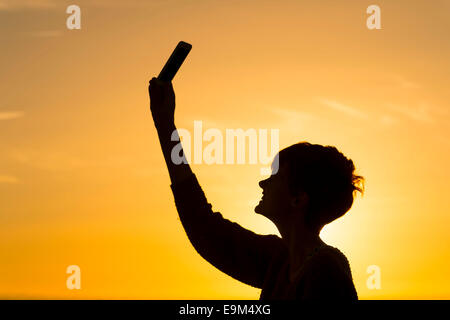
300,200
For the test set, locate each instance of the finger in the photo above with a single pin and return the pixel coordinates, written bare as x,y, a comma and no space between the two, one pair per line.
151,84
154,89
155,83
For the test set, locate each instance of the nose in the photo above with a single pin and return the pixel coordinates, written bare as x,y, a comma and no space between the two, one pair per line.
263,183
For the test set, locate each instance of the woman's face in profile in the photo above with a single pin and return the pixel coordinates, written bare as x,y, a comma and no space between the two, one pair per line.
276,196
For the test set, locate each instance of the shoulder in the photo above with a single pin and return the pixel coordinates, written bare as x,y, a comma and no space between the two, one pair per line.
330,255
329,260
276,245
328,267
328,276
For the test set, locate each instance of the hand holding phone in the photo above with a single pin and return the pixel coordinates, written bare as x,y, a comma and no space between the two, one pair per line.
162,96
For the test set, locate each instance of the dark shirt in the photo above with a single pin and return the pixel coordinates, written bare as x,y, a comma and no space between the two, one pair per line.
261,261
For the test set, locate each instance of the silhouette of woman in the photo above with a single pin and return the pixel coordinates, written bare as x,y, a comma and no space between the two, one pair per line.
313,186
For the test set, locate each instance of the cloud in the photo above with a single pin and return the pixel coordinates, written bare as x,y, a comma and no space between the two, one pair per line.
8,115
404,83
62,161
48,160
384,119
351,111
14,5
8,179
419,113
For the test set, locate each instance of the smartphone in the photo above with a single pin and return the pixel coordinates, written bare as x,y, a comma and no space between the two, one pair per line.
175,61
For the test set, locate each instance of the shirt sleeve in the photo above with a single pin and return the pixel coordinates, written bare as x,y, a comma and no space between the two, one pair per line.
236,251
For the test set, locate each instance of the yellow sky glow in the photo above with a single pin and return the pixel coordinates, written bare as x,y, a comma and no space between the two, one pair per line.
83,181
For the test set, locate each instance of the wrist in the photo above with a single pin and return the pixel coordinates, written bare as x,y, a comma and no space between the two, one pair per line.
166,127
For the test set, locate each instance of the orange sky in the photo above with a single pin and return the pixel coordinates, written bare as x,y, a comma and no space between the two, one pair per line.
82,178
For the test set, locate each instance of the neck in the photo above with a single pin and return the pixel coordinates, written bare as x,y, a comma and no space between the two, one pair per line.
301,242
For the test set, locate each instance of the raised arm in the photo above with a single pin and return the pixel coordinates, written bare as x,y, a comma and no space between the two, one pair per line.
240,253
162,107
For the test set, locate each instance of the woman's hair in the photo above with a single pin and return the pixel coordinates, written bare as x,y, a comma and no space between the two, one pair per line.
326,176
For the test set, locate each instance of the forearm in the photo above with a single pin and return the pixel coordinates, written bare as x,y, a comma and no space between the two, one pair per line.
177,172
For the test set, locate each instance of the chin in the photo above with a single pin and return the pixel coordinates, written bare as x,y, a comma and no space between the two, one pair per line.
259,209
